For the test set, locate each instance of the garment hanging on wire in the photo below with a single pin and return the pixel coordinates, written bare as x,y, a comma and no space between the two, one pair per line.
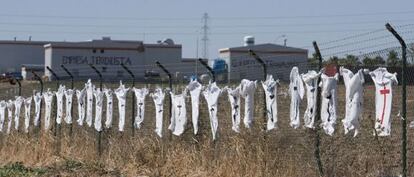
329,101
10,105
89,102
140,95
178,114
234,99
296,91
48,97
27,107
194,87
109,107
69,103
3,106
18,102
211,94
121,94
99,95
37,97
158,98
59,101
81,99
354,94
247,89
383,81
270,89
311,83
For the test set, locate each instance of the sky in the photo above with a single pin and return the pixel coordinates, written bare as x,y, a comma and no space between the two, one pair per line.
269,21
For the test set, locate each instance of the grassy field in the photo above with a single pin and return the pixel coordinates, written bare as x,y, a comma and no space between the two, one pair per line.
254,152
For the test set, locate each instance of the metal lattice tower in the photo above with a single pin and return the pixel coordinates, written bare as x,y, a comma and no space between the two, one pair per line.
205,39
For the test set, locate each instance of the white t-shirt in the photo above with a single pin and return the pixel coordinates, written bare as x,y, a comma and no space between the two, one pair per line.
59,99
10,105
81,98
247,89
18,106
27,107
99,95
329,101
140,95
89,102
109,107
3,106
383,81
270,89
69,102
158,98
354,98
234,99
48,97
37,97
296,91
121,94
311,83
195,89
178,114
211,94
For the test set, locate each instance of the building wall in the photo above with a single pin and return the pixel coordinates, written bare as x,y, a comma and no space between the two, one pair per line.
108,61
13,55
243,66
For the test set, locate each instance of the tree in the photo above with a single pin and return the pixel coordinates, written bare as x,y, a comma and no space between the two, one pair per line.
313,61
371,62
393,59
349,60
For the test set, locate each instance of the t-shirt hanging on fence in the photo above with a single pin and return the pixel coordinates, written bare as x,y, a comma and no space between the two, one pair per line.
37,97
178,114
270,89
195,89
383,81
247,89
311,83
17,105
354,98
211,94
140,95
10,105
59,100
329,101
109,107
234,99
69,100
296,92
158,97
121,94
98,109
81,98
3,106
48,97
27,108
89,102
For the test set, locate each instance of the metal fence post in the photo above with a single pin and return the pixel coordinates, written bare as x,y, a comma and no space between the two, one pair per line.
133,98
41,93
213,74
318,114
403,100
71,87
100,132
19,84
57,127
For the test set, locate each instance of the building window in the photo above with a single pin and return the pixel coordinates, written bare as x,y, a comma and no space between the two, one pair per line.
94,50
102,51
104,69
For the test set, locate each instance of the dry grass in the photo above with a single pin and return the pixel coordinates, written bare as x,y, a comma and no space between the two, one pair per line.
283,152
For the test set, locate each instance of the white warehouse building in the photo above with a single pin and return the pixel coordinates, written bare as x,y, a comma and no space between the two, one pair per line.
279,59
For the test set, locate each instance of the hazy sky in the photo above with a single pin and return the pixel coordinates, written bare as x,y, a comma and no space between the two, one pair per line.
230,20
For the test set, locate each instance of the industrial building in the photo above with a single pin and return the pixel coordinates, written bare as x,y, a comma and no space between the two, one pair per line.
279,59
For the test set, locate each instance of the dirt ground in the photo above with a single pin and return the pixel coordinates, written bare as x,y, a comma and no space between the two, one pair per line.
253,152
